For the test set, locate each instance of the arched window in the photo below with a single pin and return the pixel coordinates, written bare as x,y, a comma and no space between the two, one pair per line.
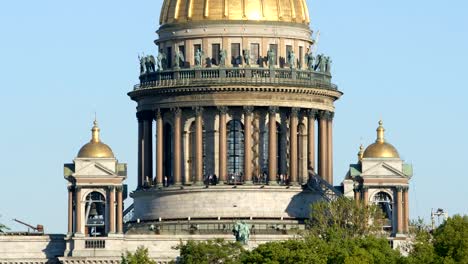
168,154
384,201
95,212
235,151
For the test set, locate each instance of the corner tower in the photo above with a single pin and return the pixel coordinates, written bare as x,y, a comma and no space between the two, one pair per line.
243,111
95,196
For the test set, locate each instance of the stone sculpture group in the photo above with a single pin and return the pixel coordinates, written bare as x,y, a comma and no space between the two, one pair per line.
320,63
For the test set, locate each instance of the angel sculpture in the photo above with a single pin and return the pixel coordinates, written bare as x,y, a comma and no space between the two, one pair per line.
161,56
178,57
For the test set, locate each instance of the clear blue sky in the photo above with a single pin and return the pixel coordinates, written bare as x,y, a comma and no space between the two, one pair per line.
60,61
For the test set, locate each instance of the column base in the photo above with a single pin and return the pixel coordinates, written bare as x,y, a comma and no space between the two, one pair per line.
273,183
248,182
199,183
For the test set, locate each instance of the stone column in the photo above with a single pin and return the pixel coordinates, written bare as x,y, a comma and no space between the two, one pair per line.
222,144
272,148
119,210
177,144
78,227
70,210
357,195
140,151
365,195
399,209
330,147
322,146
111,209
406,210
148,148
293,145
159,148
312,114
198,145
248,110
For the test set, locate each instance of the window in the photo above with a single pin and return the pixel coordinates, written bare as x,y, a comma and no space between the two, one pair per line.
95,214
384,201
236,59
235,151
169,57
301,57
255,53
215,57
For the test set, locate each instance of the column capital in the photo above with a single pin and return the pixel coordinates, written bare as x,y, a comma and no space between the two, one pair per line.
326,115
78,188
119,188
177,111
198,110
223,109
111,188
158,113
405,188
312,113
71,188
295,111
145,115
248,110
273,109
399,188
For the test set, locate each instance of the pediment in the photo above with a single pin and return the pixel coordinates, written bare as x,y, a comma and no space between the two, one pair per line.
94,169
383,170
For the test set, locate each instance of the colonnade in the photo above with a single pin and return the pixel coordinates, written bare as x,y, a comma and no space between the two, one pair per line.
324,120
400,221
114,215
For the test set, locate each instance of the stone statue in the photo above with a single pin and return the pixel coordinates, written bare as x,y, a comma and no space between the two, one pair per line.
271,58
246,53
198,58
321,63
152,63
292,59
222,55
309,58
178,56
161,56
241,232
328,63
142,64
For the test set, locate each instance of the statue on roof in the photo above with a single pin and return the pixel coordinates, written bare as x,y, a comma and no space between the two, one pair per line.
271,58
292,59
309,58
223,56
178,57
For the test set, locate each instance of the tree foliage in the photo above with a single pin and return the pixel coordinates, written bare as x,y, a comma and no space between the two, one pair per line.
446,244
211,251
344,218
140,256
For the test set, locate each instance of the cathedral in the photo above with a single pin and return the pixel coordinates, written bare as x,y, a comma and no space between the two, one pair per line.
235,128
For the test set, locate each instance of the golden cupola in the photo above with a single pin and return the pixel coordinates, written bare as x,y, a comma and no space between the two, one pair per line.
184,11
95,148
381,149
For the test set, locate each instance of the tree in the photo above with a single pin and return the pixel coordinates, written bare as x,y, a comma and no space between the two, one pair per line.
211,251
344,218
451,240
139,257
3,228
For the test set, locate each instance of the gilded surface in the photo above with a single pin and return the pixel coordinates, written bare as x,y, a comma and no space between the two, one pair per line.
95,148
179,11
381,149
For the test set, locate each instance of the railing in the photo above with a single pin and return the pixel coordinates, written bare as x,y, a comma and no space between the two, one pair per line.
248,76
316,183
95,243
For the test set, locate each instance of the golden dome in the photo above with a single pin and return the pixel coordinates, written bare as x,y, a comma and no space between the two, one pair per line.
180,11
381,149
95,148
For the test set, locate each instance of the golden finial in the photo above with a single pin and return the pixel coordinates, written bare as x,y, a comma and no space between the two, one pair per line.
380,133
95,131
361,153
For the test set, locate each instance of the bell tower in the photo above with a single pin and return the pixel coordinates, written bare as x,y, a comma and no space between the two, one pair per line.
381,177
95,191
